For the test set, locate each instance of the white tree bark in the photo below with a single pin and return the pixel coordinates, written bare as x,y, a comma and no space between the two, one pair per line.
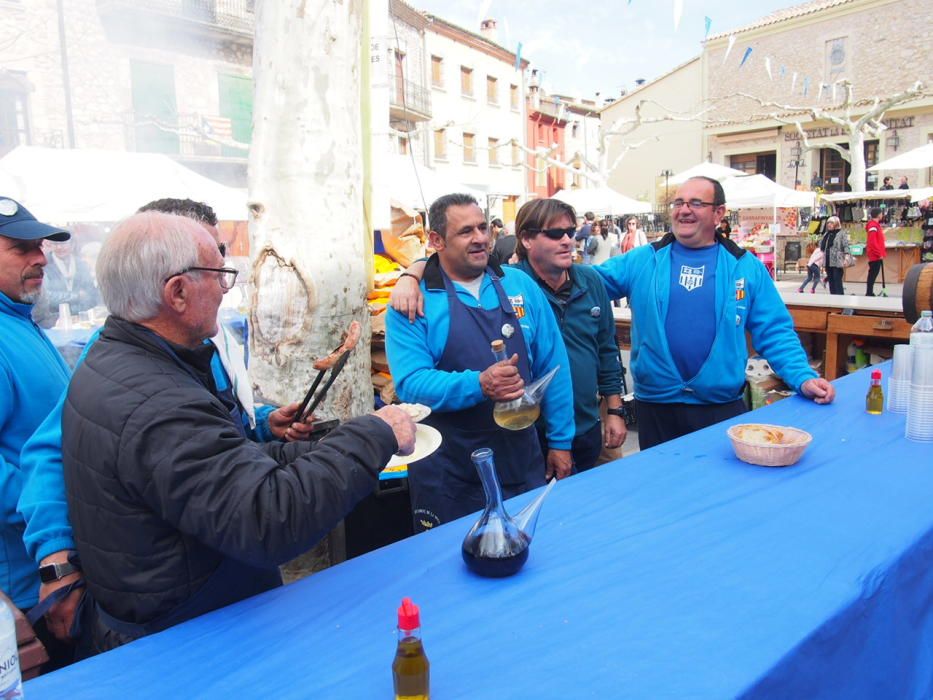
305,193
867,125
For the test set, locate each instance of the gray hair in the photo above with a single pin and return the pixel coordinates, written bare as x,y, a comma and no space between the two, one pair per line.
141,253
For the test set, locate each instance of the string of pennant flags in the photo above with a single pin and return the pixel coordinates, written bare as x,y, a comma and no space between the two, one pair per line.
824,89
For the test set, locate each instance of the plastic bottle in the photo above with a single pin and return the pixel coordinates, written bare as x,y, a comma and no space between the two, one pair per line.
410,670
921,333
874,401
11,683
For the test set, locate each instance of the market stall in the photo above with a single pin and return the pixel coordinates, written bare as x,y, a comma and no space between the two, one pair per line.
903,233
683,573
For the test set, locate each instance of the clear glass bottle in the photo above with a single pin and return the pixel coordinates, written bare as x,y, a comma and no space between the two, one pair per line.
874,401
410,670
11,683
522,412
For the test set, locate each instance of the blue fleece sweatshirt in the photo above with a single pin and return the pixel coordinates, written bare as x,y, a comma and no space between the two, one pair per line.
746,300
414,349
33,376
43,503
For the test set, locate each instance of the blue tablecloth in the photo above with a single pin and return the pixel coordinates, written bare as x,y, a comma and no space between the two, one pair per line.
679,572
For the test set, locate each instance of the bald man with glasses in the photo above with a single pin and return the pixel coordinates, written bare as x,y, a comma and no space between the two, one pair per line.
693,296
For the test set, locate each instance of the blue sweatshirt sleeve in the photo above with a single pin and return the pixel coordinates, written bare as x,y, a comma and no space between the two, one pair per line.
610,363
412,361
773,336
11,481
548,351
262,432
615,274
43,503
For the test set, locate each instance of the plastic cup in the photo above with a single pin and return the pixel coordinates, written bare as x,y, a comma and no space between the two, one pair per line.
921,372
902,360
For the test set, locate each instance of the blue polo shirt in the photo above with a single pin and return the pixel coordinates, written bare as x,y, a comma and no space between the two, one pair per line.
691,317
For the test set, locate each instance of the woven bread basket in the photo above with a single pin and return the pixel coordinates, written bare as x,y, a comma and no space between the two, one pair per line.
771,455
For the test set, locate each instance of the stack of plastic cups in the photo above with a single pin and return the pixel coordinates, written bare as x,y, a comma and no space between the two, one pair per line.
920,402
899,381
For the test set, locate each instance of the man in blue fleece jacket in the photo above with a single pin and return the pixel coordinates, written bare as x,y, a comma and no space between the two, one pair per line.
693,296
32,377
444,360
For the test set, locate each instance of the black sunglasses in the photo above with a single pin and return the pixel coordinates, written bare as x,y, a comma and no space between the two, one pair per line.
555,234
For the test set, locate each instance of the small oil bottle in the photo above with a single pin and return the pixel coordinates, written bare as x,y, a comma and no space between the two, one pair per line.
874,401
410,670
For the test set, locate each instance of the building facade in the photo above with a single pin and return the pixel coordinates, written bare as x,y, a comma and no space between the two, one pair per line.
477,124
746,114
168,76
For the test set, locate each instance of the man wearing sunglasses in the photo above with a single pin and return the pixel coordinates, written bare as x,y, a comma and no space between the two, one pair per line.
546,230
444,360
693,296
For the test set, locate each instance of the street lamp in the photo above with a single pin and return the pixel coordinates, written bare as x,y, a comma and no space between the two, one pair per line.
796,152
666,174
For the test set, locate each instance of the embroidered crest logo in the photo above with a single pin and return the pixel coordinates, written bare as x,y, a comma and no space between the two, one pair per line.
691,277
518,305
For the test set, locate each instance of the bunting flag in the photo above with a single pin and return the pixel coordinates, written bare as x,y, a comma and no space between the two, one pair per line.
518,56
768,67
678,12
783,72
793,82
806,86
834,93
709,23
728,49
748,52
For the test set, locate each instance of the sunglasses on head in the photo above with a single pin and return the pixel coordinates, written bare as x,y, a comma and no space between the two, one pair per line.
555,234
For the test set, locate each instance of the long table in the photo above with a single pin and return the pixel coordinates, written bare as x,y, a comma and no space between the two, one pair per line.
679,572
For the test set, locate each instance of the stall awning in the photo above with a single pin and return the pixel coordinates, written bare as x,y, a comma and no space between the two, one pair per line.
87,185
602,200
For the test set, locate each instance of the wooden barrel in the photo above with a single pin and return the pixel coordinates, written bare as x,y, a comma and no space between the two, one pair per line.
918,291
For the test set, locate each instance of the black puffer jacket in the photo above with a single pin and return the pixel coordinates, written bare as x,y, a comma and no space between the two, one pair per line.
162,488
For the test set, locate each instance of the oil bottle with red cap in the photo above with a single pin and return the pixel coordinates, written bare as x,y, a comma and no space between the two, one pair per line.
410,670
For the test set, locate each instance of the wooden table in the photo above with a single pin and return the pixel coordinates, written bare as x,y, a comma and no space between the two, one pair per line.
899,260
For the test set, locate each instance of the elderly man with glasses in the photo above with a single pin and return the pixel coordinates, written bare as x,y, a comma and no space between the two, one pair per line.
175,512
693,296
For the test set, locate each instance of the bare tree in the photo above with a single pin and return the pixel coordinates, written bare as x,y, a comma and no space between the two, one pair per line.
858,119
305,197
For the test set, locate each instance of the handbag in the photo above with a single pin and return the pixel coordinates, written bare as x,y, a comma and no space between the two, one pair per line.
913,212
848,260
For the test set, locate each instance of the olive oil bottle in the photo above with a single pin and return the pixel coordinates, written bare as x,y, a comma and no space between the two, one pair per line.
410,670
874,401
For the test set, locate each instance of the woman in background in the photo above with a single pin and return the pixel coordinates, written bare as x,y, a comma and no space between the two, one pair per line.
835,247
634,236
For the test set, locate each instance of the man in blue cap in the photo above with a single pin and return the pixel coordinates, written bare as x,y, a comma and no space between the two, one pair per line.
32,377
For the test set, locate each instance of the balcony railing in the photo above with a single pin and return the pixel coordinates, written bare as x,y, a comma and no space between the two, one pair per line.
412,100
235,16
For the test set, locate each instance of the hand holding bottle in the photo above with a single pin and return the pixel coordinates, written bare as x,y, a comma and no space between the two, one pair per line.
501,381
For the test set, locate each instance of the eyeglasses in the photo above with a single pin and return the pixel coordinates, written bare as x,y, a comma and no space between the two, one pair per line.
226,276
555,234
694,204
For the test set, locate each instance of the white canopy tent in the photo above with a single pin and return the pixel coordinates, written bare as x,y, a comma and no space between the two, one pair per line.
916,194
87,185
602,200
759,191
712,170
914,159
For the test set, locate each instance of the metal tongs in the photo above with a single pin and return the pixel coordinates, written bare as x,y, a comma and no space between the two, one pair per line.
305,408
334,363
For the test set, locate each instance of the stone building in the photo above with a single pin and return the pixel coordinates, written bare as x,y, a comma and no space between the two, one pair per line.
166,76
797,55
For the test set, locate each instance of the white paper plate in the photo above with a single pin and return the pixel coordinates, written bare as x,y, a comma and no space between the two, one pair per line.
427,439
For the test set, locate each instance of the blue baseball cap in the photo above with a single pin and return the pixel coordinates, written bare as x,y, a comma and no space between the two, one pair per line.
17,222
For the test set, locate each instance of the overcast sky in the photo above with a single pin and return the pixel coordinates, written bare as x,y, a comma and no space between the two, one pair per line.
585,47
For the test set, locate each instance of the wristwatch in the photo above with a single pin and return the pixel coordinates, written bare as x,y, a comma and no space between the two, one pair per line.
58,570
620,412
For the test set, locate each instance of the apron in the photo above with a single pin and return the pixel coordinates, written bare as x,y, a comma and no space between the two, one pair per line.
232,580
445,486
